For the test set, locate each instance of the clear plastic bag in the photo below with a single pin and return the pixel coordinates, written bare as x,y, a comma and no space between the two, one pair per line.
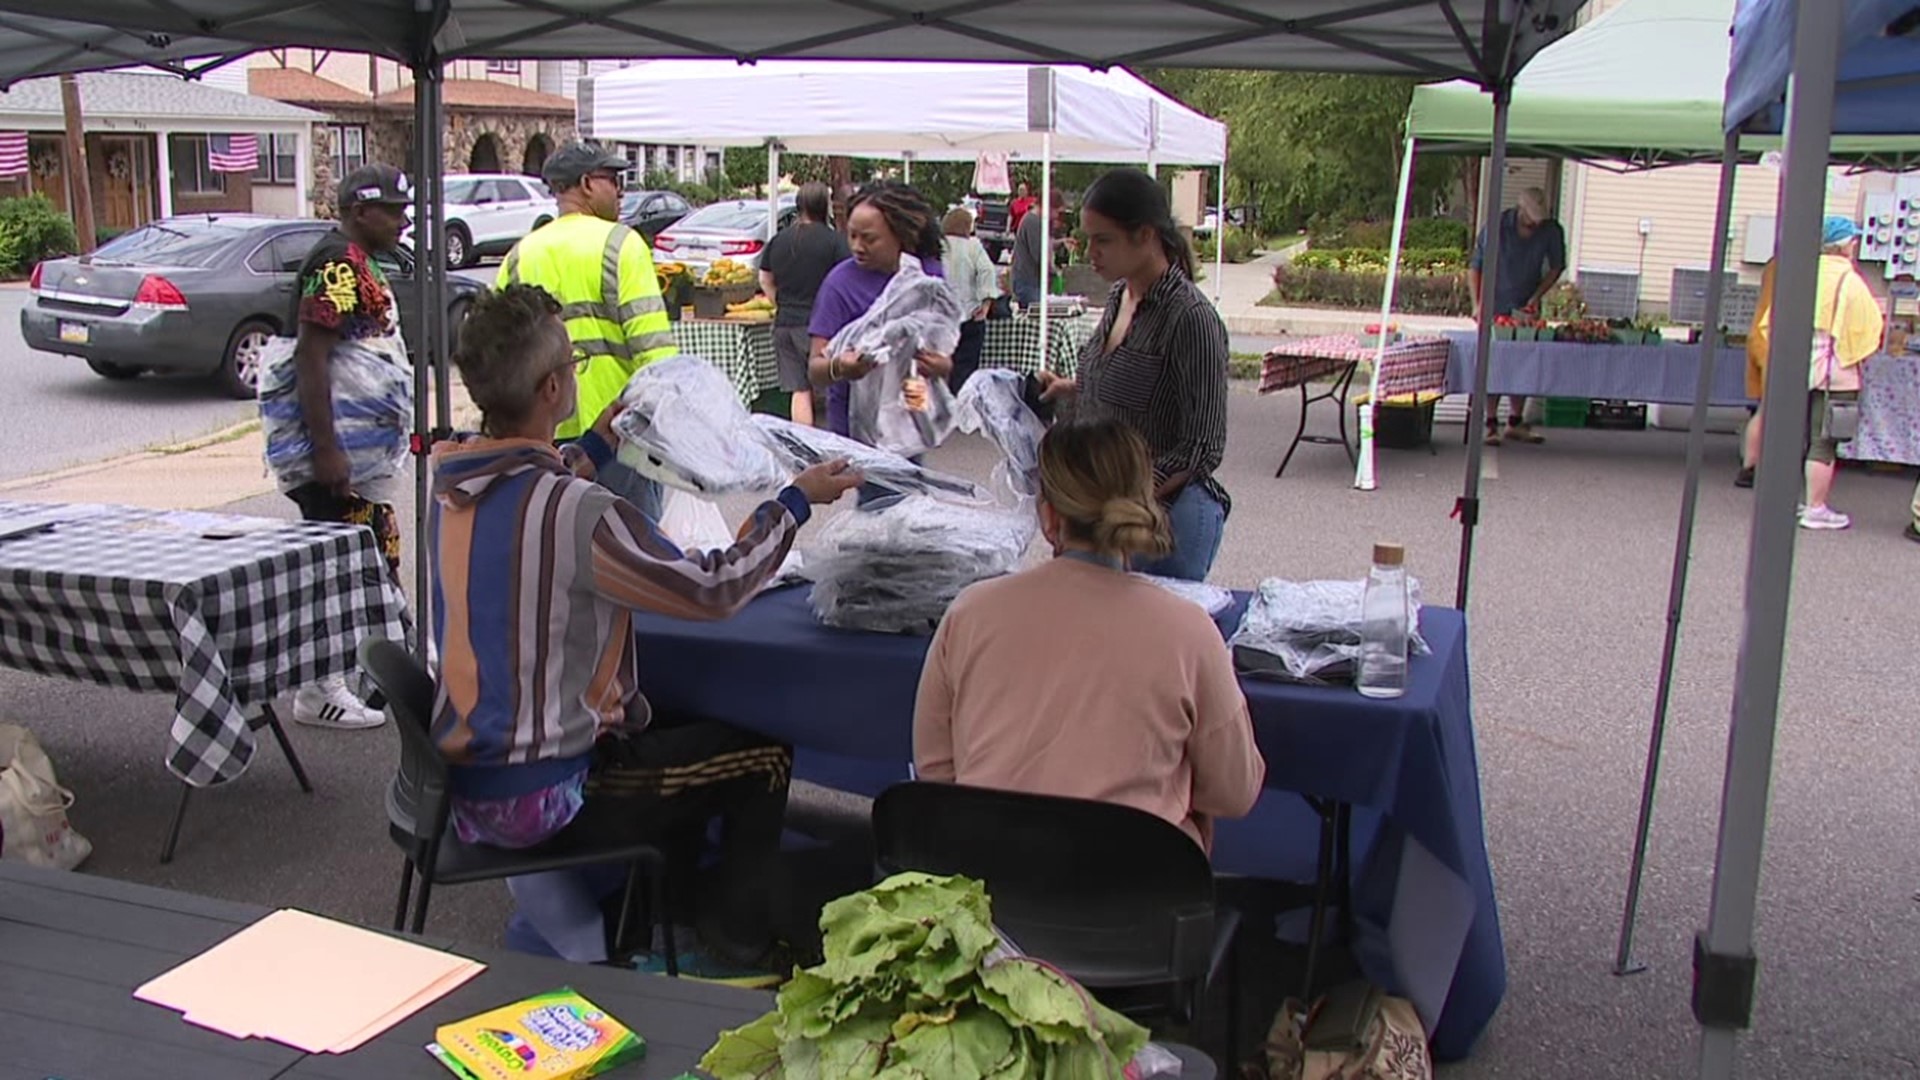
372,386
895,407
1155,1062
896,566
1309,631
994,404
685,427
1211,599
800,446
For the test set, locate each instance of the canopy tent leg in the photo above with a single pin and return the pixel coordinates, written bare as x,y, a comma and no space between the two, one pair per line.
1046,240
906,167
1220,232
773,189
433,88
429,367
1623,962
1724,964
1363,477
1468,508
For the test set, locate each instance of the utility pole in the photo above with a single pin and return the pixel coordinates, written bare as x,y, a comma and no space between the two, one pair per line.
79,177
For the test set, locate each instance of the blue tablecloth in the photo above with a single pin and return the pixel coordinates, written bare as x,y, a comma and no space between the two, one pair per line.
1659,374
1889,411
1423,889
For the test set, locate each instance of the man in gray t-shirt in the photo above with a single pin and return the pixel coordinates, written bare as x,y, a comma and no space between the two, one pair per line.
1029,285
1533,255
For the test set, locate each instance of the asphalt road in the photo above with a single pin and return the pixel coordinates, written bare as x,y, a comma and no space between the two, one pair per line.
56,413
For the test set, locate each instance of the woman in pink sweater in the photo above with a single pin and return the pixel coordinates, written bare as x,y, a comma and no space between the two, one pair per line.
1078,679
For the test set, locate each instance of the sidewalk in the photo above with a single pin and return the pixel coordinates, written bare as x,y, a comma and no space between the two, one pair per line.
201,474
1243,286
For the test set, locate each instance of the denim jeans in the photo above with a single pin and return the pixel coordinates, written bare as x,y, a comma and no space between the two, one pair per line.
636,489
1026,292
1198,520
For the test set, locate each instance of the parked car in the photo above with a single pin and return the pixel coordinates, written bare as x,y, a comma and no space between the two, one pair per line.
488,213
650,212
201,295
736,229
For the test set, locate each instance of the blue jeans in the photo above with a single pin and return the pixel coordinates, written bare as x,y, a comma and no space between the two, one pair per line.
1026,292
636,489
1198,520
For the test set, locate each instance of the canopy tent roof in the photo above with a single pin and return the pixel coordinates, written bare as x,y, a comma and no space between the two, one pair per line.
1642,83
1471,39
936,111
1879,68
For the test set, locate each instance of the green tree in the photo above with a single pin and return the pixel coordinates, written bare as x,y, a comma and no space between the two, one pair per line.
1307,147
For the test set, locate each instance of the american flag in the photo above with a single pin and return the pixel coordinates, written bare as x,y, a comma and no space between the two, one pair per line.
13,153
233,153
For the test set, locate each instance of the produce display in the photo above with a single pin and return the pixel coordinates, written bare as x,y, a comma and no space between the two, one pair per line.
726,272
1583,331
917,983
758,309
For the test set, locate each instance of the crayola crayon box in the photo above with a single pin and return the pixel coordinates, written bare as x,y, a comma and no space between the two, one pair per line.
553,1036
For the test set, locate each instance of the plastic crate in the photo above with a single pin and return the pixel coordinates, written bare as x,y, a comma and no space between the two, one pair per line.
1617,416
1565,412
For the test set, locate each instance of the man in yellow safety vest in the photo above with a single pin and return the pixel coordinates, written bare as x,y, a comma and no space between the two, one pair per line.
601,272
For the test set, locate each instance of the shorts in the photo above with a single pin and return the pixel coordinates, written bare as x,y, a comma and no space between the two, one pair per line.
792,347
1820,446
319,504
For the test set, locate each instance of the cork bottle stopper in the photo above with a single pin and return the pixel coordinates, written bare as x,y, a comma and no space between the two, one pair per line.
1389,554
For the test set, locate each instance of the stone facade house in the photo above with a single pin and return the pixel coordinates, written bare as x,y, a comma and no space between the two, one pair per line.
491,126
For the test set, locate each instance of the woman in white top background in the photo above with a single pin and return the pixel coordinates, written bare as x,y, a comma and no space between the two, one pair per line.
976,284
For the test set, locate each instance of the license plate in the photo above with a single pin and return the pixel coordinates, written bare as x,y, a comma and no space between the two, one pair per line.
73,333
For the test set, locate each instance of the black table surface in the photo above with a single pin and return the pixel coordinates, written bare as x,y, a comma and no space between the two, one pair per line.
73,947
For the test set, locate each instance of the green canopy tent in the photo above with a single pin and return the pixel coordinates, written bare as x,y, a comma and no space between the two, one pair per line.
1641,86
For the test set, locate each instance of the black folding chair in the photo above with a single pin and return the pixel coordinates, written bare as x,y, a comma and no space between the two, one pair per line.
1116,897
418,808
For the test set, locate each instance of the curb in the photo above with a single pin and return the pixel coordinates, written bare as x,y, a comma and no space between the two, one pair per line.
188,446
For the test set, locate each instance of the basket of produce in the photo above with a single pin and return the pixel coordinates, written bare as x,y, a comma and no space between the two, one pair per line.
754,309
1586,332
1373,336
676,287
725,282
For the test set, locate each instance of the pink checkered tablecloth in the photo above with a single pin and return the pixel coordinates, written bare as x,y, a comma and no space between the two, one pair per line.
1411,366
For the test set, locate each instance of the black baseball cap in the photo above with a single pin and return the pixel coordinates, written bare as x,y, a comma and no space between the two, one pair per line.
376,185
569,165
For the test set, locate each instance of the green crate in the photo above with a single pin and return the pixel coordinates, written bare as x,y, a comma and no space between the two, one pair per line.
1566,412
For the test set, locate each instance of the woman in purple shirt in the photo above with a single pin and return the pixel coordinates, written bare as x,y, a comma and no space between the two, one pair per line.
887,219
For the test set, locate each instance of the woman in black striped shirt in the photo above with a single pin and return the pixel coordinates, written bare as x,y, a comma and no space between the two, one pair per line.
1157,361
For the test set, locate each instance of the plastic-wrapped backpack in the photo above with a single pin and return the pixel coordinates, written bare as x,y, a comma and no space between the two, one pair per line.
1308,631
372,410
915,311
685,427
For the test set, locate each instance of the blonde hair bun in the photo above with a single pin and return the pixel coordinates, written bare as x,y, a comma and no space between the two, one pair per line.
1130,526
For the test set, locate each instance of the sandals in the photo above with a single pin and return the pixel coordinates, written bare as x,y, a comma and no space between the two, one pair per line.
1493,437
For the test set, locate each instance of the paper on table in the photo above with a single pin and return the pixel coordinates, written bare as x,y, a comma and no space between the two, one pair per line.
311,983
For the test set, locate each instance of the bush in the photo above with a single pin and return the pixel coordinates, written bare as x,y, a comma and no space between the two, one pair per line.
1416,293
1242,245
32,231
1412,260
1432,233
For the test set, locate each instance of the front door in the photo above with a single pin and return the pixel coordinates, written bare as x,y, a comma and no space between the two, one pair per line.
119,168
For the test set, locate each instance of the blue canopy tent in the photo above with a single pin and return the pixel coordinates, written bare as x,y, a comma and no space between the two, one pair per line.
1799,71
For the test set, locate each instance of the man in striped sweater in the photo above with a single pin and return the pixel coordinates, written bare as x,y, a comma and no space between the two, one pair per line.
537,569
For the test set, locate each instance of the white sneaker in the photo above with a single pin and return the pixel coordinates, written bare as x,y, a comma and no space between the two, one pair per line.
329,704
1823,517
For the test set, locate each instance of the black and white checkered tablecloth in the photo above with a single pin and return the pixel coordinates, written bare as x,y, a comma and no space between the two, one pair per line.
227,612
1015,343
744,350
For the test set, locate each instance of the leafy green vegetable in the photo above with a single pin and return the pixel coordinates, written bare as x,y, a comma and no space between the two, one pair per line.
907,992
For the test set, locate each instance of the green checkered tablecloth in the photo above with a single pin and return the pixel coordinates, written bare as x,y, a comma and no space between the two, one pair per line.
1015,343
743,350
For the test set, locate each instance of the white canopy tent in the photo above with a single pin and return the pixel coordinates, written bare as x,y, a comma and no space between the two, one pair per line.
924,111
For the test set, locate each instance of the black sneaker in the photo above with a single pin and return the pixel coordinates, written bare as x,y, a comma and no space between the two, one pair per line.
1743,478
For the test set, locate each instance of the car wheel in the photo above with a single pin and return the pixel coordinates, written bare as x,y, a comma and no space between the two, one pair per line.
239,374
456,317
459,247
107,369
543,222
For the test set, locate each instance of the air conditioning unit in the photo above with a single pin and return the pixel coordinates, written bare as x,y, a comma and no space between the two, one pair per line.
1609,293
1687,303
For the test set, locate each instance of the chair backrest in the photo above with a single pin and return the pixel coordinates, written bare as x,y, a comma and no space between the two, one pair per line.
1087,885
417,798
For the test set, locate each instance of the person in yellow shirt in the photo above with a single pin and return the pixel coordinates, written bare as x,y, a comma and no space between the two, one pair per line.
602,274
1847,328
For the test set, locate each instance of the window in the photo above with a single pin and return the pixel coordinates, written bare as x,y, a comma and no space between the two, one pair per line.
290,250
503,67
349,148
192,175
279,160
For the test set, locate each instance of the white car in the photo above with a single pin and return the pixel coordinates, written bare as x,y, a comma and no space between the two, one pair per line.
488,213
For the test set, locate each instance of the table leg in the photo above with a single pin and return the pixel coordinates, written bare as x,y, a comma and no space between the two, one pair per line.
1340,394
1299,433
271,721
1324,871
173,831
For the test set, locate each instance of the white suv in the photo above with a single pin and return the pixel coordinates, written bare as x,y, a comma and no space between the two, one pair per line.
488,213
